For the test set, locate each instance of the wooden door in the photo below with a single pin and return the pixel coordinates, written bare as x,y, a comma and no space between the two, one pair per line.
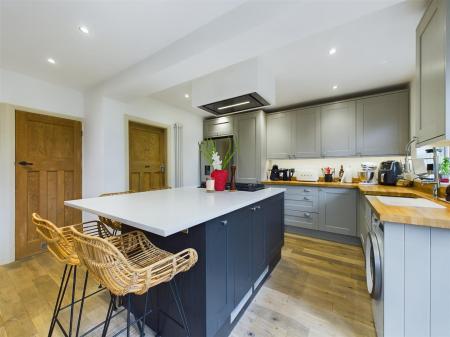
48,171
147,162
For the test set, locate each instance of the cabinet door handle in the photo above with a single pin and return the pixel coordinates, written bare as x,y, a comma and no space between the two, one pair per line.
307,215
305,190
258,207
224,222
253,209
306,198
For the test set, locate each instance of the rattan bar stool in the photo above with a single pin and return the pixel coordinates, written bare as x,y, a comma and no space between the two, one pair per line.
60,244
116,226
130,264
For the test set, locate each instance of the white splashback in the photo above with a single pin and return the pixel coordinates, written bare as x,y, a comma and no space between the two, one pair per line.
354,163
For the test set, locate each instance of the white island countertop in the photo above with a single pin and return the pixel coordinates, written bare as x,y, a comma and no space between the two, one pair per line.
166,212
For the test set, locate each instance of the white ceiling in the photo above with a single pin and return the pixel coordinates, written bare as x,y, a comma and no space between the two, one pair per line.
373,51
156,48
122,33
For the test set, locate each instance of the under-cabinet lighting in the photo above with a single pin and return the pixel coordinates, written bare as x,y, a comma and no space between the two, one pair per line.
233,105
51,60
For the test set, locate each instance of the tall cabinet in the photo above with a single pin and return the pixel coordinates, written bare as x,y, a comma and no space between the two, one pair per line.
432,43
250,131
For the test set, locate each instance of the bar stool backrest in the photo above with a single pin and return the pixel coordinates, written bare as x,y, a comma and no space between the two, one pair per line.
59,240
115,225
106,263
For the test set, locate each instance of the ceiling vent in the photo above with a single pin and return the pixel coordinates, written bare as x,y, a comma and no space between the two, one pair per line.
241,87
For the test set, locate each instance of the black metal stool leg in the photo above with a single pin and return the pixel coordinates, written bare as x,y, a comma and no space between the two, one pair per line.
179,304
128,314
74,284
60,298
82,303
108,315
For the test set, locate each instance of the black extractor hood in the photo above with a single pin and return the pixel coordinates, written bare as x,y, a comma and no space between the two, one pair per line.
240,103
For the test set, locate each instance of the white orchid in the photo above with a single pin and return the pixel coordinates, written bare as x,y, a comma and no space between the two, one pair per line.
216,161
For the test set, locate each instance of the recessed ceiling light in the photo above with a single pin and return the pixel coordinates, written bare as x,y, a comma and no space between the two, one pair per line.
186,95
335,87
332,51
84,29
51,60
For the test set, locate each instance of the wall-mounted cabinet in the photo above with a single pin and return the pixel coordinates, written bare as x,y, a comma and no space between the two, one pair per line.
432,43
368,126
279,135
338,129
306,133
382,126
218,127
294,134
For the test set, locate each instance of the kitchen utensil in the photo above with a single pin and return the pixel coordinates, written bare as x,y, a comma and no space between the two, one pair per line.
275,173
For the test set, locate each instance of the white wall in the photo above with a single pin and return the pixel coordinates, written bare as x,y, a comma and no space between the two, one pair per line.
7,183
106,162
105,152
21,90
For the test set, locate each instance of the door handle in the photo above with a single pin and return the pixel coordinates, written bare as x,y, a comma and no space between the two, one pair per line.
306,198
224,222
162,168
25,163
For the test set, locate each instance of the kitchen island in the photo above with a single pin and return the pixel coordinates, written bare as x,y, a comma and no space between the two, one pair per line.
238,237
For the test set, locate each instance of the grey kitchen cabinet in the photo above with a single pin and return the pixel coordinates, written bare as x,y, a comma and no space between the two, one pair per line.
432,43
294,134
279,135
364,216
218,127
306,134
382,124
337,210
338,129
249,130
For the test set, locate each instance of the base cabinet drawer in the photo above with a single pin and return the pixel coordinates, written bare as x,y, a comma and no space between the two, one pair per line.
301,190
301,219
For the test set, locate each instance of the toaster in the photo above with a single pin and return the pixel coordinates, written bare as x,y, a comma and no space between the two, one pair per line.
388,172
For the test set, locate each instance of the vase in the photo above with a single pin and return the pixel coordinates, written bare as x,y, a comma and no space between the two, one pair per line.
233,179
220,177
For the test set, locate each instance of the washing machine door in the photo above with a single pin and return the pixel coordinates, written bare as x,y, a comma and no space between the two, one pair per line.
373,266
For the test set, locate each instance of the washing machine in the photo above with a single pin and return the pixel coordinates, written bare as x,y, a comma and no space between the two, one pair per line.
374,245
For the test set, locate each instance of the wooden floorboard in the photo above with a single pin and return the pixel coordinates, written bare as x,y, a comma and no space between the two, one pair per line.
317,289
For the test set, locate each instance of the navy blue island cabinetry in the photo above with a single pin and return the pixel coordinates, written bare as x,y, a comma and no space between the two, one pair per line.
237,251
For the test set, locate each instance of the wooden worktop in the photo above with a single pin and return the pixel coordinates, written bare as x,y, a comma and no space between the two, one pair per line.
420,216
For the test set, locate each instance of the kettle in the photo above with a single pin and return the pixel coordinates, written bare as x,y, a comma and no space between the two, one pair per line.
275,173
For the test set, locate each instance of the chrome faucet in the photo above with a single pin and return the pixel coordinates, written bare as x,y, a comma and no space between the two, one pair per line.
436,182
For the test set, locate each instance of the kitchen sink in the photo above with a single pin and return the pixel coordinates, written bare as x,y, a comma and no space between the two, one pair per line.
408,202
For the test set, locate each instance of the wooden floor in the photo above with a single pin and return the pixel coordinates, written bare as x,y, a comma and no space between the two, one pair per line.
317,289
